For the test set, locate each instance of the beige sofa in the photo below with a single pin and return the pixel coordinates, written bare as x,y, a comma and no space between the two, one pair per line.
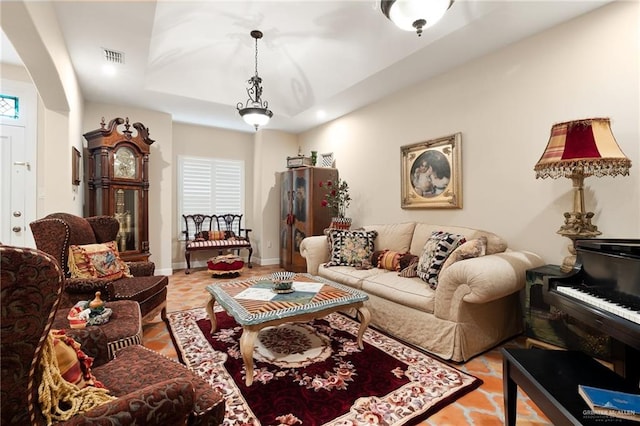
474,307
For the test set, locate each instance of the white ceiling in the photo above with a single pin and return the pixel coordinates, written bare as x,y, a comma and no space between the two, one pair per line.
191,59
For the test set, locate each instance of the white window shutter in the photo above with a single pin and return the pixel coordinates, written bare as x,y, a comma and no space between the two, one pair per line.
209,186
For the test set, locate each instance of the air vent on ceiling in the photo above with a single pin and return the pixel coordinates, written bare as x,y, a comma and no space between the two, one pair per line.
113,56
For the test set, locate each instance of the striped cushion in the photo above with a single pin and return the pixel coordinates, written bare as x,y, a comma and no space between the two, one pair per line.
389,260
218,243
434,253
74,365
411,270
217,235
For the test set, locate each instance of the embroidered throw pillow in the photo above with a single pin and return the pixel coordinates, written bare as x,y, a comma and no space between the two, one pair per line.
436,250
472,248
97,261
350,248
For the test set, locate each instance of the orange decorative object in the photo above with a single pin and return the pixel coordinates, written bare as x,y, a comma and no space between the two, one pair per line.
96,303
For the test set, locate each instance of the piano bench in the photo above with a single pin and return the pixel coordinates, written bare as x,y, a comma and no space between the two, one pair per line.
530,343
551,378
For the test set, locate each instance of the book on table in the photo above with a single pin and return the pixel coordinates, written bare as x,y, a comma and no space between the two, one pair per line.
611,403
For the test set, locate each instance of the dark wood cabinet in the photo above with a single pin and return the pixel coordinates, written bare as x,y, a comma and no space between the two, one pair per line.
301,211
118,182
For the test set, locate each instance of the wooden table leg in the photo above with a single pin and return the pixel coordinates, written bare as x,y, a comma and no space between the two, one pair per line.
247,341
365,317
212,315
510,390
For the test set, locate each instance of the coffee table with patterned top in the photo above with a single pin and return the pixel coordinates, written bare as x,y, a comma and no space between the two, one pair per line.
255,306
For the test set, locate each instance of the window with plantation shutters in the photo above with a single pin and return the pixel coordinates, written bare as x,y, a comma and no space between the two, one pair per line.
209,186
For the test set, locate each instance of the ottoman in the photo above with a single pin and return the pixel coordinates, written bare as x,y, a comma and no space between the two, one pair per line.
229,265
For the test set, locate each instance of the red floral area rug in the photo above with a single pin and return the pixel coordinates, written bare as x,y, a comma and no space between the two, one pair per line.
314,374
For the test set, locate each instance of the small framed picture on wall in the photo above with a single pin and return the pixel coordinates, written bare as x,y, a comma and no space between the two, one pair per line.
75,166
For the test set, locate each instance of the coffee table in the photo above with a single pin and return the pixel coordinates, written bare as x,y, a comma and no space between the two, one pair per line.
255,306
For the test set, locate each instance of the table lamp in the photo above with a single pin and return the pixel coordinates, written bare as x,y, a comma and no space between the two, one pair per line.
579,149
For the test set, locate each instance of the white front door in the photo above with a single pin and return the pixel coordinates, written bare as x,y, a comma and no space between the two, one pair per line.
18,125
13,169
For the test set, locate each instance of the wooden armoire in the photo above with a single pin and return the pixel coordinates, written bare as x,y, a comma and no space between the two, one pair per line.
301,211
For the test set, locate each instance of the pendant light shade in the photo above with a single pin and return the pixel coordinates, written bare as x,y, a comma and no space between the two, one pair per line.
255,111
415,15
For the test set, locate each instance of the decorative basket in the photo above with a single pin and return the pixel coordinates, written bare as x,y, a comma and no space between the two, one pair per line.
282,281
340,223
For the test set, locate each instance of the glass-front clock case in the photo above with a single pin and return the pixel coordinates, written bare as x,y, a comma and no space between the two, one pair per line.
118,182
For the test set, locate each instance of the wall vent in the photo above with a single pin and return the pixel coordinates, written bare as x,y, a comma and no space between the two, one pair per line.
113,56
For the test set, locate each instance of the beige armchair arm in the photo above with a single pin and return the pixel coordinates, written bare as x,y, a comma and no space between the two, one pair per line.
315,250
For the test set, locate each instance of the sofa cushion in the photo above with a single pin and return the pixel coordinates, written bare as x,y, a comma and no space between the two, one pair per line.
423,231
348,275
411,269
495,244
395,236
390,260
409,292
97,261
434,253
74,365
350,248
472,248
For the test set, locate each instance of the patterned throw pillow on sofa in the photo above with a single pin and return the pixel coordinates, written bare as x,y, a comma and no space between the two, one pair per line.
436,250
350,248
97,261
472,248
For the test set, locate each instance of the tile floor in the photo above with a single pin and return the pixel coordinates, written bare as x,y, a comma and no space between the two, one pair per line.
484,406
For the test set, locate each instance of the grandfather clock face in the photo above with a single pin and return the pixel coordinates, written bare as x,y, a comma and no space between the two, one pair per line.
124,163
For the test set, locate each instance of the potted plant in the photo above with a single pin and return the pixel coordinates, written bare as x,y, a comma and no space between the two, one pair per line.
337,199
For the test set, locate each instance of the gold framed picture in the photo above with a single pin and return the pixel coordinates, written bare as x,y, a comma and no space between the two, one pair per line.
431,174
75,166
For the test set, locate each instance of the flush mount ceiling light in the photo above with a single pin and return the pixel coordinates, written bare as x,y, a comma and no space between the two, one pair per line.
417,15
255,110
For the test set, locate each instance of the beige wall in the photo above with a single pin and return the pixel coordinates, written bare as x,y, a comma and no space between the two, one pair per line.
201,141
504,104
272,148
33,30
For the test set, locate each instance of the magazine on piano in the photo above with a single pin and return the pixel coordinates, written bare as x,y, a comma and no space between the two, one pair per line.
611,403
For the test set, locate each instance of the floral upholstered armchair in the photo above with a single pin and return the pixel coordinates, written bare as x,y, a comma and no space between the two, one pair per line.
56,233
143,387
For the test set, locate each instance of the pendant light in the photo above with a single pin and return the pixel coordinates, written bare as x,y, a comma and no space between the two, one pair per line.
255,111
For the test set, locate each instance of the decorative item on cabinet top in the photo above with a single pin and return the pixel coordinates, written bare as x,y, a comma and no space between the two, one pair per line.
298,161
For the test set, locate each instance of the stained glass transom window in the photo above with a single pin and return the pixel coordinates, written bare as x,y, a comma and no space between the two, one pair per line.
9,106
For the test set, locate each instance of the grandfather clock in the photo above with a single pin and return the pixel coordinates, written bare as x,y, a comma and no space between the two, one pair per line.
118,182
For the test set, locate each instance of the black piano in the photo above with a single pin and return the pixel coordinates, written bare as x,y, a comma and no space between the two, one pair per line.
603,291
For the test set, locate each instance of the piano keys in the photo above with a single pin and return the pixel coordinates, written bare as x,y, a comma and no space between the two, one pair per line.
603,291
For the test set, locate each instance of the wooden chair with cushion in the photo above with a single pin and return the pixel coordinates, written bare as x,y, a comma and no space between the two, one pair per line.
57,232
145,387
215,232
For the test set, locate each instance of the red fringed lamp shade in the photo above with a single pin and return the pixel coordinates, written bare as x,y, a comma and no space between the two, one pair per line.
579,149
588,145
